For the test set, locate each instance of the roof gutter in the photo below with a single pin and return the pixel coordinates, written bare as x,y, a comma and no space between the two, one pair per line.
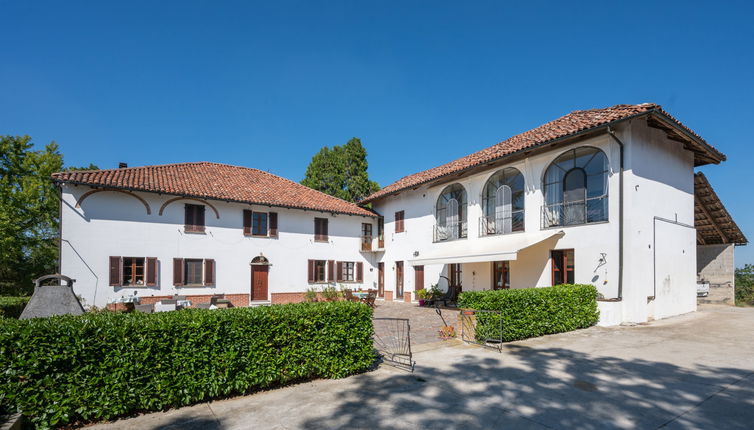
116,187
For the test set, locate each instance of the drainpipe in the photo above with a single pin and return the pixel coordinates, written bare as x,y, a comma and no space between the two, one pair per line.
611,132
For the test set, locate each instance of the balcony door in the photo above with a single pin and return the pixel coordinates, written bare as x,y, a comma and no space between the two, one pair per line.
503,211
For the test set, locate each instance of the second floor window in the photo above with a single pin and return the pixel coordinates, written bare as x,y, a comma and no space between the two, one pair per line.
259,224
320,229
450,213
575,187
399,222
194,218
503,203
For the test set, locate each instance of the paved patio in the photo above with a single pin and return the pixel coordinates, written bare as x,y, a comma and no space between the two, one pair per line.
425,322
693,371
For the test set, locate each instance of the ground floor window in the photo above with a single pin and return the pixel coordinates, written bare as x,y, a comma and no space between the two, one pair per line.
193,272
455,275
501,275
563,266
347,271
133,271
320,271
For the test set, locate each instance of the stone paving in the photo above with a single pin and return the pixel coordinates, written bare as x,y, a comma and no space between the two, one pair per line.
425,322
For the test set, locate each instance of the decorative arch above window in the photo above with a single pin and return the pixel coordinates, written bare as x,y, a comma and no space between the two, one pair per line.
451,213
100,190
503,203
575,188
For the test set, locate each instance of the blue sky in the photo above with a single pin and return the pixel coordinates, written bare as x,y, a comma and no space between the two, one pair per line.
267,84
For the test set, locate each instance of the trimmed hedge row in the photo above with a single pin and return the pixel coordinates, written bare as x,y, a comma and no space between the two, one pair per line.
11,307
531,312
100,366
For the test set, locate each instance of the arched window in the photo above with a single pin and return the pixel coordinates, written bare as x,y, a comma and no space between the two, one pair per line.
575,187
503,203
450,212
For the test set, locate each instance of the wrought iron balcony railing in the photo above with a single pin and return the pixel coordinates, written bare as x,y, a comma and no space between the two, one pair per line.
493,225
575,213
452,231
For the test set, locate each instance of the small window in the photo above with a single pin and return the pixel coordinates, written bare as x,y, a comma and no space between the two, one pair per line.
563,267
320,271
193,271
501,275
320,229
259,224
347,271
134,271
194,218
399,221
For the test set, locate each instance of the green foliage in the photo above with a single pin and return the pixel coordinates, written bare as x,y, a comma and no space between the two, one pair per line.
341,172
530,312
330,293
11,307
745,285
64,370
310,295
423,294
28,212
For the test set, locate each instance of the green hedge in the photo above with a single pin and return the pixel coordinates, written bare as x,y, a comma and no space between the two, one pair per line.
530,312
11,307
100,366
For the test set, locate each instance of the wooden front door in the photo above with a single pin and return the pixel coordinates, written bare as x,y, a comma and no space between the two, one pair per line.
381,279
259,281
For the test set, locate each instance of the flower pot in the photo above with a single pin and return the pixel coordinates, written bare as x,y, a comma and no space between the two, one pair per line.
421,302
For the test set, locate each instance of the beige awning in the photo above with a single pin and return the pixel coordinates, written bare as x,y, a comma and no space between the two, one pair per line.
493,248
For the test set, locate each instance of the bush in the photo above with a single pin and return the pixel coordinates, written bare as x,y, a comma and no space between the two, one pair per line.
745,285
75,369
530,312
11,307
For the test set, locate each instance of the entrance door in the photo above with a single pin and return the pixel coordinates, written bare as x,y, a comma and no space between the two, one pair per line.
259,282
381,279
398,280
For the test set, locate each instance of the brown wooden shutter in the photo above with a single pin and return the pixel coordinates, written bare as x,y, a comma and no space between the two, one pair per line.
273,224
178,271
116,272
317,235
330,270
339,272
189,216
209,272
247,222
418,278
200,218
359,272
310,266
151,263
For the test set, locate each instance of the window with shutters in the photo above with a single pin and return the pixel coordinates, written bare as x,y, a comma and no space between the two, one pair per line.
348,271
259,224
193,272
133,271
320,229
194,218
400,221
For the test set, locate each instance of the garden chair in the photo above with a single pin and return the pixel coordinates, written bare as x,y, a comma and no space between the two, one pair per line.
370,298
450,296
348,295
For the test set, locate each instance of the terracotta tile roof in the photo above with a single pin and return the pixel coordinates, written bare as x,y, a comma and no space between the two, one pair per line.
563,127
214,181
713,223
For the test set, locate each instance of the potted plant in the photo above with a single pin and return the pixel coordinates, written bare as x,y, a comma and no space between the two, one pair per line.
422,295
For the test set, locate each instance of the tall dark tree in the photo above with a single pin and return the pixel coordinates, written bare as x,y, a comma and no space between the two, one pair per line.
29,218
341,172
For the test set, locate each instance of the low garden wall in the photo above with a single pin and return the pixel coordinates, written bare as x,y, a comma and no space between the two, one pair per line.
99,366
531,312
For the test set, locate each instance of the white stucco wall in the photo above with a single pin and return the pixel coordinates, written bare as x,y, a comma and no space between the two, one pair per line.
658,183
115,224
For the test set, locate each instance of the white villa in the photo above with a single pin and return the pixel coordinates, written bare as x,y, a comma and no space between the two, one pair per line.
602,196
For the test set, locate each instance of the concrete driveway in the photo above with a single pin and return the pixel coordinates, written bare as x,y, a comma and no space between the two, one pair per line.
693,371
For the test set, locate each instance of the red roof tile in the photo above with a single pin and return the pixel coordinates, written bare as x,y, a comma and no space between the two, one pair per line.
565,126
214,181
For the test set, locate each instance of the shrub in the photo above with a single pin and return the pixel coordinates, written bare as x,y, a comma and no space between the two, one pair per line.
530,312
310,295
75,369
745,285
330,293
11,307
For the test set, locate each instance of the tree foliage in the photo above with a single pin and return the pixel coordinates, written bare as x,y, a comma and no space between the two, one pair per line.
341,172
28,212
745,285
